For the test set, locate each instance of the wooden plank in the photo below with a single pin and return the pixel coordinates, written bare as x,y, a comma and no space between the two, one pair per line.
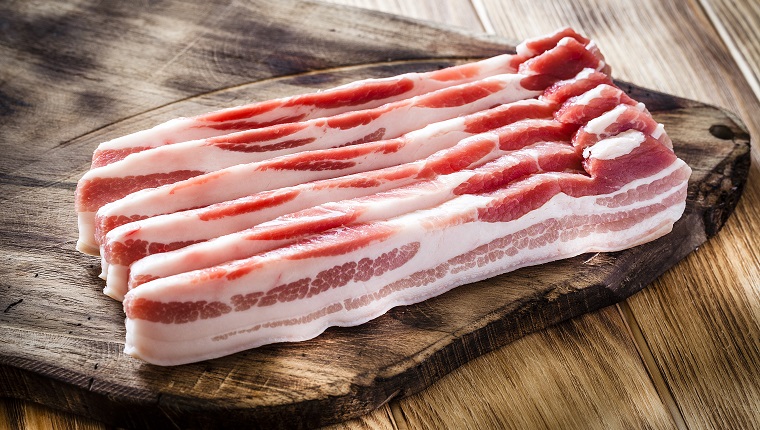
738,24
379,419
583,373
18,414
453,13
701,319
15,414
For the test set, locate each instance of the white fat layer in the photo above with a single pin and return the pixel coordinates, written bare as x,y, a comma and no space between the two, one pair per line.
590,95
614,147
495,66
599,124
584,74
437,245
116,274
86,242
175,130
659,131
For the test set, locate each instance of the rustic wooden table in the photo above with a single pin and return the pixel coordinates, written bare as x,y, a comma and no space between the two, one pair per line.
684,352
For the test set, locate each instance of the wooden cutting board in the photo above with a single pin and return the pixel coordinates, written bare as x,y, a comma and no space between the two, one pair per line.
81,73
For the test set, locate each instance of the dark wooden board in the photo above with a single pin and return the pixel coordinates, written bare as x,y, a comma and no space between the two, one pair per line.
76,74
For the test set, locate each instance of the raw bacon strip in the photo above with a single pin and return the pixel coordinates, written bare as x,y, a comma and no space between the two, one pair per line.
292,227
538,45
559,92
481,148
155,167
365,94
351,274
285,229
593,103
340,161
564,61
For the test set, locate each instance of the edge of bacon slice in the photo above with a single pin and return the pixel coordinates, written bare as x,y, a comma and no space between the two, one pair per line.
111,182
351,274
363,94
173,163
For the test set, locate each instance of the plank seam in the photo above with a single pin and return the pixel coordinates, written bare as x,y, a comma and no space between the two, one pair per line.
397,416
733,49
482,13
650,364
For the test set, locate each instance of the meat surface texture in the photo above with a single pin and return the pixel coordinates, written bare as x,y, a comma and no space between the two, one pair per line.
273,221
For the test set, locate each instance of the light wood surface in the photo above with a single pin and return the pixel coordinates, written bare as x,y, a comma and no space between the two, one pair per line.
685,352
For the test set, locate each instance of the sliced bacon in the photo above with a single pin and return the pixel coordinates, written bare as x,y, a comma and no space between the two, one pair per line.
564,61
357,272
130,243
593,103
151,168
538,45
621,118
359,95
559,92
365,94
296,214
370,156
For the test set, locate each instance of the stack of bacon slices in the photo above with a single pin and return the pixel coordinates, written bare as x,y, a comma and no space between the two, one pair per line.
272,221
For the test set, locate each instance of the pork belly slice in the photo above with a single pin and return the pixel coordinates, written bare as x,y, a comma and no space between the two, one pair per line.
329,163
474,123
359,95
173,163
166,165
479,148
364,94
351,274
430,191
167,233
592,104
621,118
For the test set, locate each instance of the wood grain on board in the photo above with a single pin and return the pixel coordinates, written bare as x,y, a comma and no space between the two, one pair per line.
532,15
